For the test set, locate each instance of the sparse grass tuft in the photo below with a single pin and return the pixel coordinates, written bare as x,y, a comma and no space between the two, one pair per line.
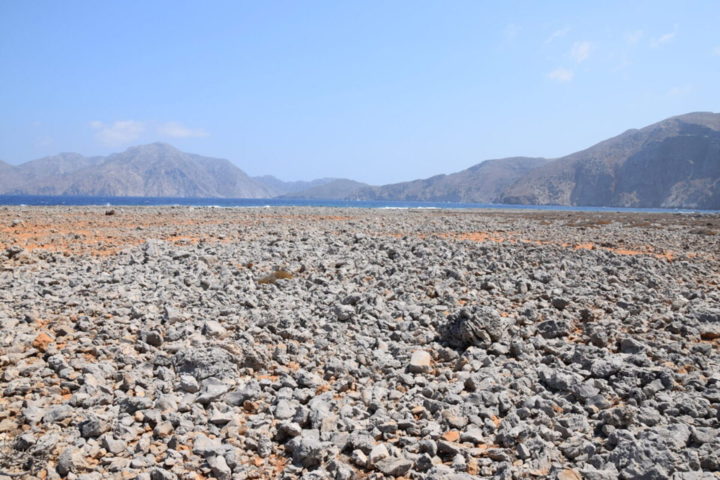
283,274
702,231
275,276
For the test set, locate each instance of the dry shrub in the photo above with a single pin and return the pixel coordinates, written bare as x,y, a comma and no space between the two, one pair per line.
275,276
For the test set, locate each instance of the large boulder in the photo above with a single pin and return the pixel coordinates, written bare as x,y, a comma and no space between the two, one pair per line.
476,326
206,362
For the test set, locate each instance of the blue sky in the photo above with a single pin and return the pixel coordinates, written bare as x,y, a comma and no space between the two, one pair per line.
375,91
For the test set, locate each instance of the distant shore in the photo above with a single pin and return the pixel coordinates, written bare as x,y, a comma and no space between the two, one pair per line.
69,200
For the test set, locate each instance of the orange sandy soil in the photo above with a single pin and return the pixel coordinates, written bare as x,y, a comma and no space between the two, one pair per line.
89,230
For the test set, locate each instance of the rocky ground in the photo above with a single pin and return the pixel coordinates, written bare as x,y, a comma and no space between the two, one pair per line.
191,343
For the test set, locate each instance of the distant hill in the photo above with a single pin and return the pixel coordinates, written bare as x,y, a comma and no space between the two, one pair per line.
9,177
673,163
155,170
60,164
278,187
39,176
337,189
481,183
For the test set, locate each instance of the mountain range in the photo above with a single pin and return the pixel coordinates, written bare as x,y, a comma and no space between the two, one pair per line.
155,170
672,163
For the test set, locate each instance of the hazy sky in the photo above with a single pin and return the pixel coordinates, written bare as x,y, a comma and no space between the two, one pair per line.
378,91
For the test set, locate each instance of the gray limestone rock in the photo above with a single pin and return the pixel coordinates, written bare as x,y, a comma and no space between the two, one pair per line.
212,389
92,427
206,447
162,474
58,414
394,467
479,326
153,338
65,463
306,451
188,383
219,467
113,445
203,363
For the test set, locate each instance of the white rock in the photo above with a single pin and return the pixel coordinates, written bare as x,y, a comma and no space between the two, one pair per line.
219,467
379,452
420,362
211,328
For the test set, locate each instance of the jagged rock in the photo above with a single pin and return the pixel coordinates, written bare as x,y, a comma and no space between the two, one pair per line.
219,467
162,474
211,390
58,414
378,453
478,327
66,462
307,452
92,427
153,338
205,363
188,383
211,328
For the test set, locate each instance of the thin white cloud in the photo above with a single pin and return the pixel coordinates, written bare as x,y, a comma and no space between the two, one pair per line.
118,133
633,38
562,75
177,130
580,51
680,91
557,34
716,51
124,132
663,39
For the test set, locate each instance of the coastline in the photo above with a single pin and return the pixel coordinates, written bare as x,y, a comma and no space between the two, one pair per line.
276,202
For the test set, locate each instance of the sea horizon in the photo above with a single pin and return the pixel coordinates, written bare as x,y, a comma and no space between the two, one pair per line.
112,201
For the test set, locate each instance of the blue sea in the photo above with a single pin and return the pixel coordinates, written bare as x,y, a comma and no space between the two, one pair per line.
39,200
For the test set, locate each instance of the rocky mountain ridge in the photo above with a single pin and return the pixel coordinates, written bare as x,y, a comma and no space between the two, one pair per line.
154,170
672,163
481,183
